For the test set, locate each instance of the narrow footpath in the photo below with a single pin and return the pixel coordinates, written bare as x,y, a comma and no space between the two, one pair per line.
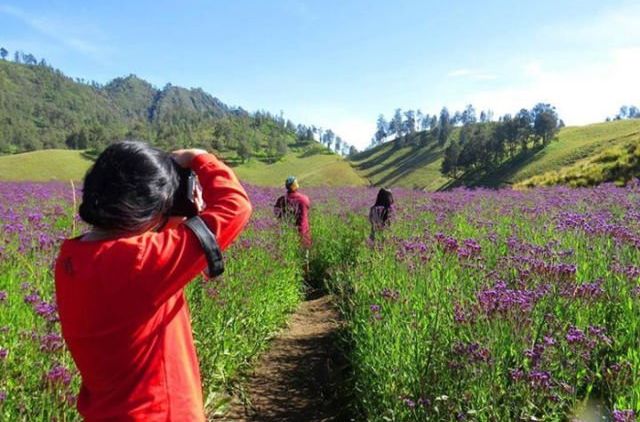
297,378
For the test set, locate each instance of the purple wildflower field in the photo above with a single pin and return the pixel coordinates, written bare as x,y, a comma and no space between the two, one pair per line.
233,316
473,305
498,305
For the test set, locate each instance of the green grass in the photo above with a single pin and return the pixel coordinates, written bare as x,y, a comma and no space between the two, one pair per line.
319,169
409,166
312,168
577,143
433,331
616,164
419,167
44,165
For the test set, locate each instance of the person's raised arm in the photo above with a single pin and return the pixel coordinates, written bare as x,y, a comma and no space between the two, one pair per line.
173,257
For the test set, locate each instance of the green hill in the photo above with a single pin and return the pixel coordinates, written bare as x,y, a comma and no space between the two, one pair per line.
44,165
319,169
413,164
41,108
616,164
407,166
313,167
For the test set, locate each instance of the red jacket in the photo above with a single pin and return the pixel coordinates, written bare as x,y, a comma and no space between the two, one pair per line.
297,205
124,316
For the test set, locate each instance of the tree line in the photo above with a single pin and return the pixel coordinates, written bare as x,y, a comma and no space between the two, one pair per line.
485,145
50,110
626,112
471,141
411,121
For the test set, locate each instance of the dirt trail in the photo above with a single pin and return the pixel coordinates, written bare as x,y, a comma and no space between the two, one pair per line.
297,378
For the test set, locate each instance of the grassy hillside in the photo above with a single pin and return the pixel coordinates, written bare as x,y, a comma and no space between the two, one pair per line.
575,144
44,165
419,166
320,169
313,168
408,166
617,164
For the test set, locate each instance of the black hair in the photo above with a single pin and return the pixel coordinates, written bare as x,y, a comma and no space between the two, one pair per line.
384,198
130,185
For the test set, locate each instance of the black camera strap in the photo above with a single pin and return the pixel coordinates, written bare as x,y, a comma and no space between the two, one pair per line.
209,244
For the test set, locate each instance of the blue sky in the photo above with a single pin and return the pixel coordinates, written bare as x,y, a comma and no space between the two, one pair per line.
338,64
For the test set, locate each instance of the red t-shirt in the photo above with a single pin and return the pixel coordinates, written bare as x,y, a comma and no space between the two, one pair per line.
298,205
124,315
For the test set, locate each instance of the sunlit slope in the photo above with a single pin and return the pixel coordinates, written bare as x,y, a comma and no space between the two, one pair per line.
44,165
577,143
317,169
408,166
419,166
617,164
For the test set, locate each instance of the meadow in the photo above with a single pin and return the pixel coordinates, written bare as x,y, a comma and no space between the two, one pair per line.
314,166
474,305
403,164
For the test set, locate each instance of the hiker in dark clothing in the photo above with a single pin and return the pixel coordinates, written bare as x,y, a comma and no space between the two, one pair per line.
381,212
295,206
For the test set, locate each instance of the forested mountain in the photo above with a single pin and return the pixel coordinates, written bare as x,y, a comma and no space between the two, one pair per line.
41,108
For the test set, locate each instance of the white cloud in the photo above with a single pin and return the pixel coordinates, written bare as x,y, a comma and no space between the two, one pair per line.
473,74
355,129
583,93
532,69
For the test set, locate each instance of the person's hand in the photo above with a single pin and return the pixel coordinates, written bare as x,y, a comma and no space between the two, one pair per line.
197,197
184,157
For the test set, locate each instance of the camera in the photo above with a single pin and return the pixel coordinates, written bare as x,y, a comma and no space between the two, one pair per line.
184,203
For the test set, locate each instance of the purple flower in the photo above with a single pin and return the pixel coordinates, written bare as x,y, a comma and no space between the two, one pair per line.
575,335
4,353
470,248
71,399
624,415
46,310
449,244
375,310
58,375
390,294
32,298
3,296
516,374
51,342
599,334
535,354
409,403
589,290
472,352
540,379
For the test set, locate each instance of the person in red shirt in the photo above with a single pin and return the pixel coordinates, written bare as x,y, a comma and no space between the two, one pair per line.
295,206
119,287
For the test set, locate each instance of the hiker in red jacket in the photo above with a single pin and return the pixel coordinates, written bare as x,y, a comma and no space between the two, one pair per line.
120,287
295,205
